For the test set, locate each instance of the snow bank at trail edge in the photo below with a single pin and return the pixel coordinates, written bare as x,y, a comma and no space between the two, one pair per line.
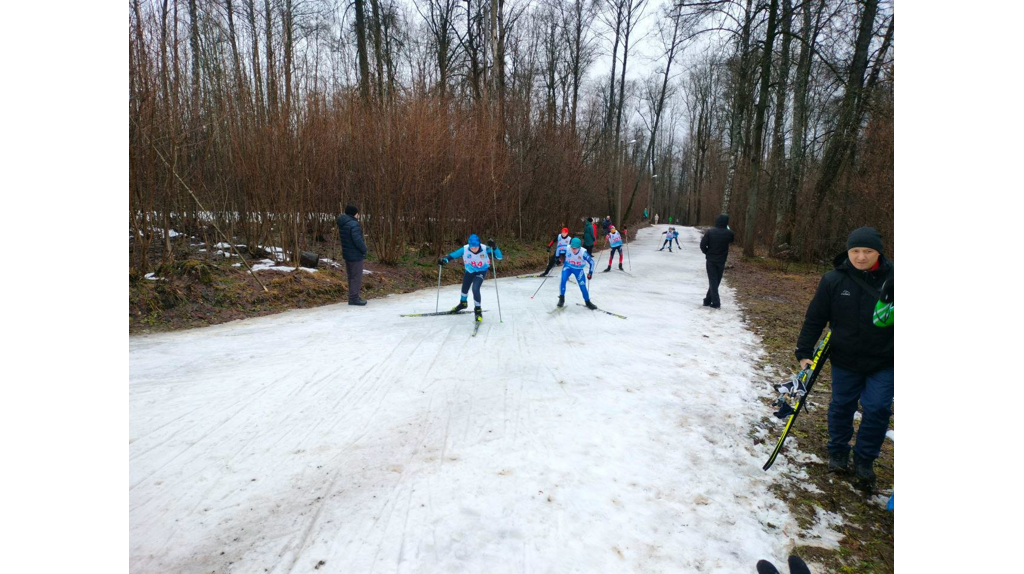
568,442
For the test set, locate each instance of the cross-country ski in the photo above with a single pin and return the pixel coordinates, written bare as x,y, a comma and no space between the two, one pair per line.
604,311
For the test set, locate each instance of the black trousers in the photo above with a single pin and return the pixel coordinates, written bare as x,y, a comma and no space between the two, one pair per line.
554,259
474,280
354,270
715,271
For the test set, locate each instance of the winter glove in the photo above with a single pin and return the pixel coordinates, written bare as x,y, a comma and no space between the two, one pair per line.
442,261
590,275
492,244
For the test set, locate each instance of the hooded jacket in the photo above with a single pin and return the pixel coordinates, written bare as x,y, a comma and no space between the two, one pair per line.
857,344
715,243
353,248
588,234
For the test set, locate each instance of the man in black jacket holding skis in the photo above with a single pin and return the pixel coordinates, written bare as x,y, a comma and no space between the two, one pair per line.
353,251
715,246
850,299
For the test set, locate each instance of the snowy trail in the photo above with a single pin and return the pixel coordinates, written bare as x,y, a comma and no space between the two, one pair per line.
573,442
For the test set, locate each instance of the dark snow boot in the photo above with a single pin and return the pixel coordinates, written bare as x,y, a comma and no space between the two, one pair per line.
620,266
478,313
766,567
462,305
561,300
838,462
798,566
609,268
864,473
590,305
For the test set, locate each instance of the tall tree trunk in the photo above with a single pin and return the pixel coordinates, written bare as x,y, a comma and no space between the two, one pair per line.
256,73
798,148
193,15
749,228
271,72
739,106
375,34
778,153
847,128
364,65
287,30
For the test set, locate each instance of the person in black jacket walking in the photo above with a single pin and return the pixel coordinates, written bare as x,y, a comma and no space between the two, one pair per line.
353,251
847,300
715,246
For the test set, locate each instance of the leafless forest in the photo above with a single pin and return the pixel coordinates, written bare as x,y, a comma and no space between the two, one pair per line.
508,118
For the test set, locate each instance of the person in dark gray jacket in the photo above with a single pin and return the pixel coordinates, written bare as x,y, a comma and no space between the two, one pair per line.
715,245
353,251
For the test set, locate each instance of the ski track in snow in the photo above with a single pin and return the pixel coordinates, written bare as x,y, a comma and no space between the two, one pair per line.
574,442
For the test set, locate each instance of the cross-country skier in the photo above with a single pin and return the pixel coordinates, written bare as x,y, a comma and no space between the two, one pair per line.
856,301
477,261
561,243
614,238
669,236
575,259
715,246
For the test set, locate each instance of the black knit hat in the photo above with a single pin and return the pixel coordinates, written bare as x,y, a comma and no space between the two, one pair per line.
351,210
865,237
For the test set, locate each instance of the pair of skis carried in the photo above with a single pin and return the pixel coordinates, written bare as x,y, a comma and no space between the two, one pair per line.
798,388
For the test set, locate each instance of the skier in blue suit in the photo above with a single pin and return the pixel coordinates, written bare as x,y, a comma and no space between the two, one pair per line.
477,261
576,257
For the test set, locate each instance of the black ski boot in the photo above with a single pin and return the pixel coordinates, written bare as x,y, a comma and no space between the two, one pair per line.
839,462
462,305
561,300
620,266
608,269
590,305
478,313
864,473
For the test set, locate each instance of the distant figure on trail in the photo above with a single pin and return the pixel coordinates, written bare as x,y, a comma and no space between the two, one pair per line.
670,235
561,243
614,238
715,246
606,223
655,218
589,234
645,214
670,219
856,301
353,251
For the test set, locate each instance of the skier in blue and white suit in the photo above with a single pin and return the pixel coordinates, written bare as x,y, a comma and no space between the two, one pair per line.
477,261
575,259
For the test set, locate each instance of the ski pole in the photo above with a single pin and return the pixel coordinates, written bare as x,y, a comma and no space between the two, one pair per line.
496,295
627,251
438,302
541,285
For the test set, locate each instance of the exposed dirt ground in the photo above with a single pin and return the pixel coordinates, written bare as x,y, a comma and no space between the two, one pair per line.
196,290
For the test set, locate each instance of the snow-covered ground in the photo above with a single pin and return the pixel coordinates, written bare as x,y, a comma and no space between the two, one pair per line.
568,442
